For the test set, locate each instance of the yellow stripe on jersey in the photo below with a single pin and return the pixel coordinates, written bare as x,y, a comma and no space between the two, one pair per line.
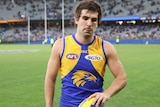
97,50
72,53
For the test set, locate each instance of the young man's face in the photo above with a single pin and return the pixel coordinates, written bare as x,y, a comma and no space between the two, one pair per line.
87,23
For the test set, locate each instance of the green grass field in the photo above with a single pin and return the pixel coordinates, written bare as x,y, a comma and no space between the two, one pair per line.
23,67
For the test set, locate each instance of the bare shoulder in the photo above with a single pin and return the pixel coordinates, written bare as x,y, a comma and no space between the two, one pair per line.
57,47
58,42
109,49
107,44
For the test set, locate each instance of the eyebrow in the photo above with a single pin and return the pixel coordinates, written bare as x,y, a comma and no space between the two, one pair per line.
86,18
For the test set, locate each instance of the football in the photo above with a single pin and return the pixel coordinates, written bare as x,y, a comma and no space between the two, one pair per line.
86,103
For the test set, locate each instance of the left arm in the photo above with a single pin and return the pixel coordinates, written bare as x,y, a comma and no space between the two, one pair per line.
118,72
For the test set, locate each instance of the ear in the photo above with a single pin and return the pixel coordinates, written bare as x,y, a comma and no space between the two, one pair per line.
75,20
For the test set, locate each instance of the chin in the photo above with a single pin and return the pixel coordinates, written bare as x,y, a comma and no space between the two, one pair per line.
87,35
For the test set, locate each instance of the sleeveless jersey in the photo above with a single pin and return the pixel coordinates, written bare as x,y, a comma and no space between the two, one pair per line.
82,70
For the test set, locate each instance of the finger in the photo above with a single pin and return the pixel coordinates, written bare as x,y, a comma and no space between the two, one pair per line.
102,102
95,100
99,101
91,96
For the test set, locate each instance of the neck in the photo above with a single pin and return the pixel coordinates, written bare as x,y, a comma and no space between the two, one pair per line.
84,39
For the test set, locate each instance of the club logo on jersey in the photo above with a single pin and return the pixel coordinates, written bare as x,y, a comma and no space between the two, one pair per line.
72,56
81,77
93,57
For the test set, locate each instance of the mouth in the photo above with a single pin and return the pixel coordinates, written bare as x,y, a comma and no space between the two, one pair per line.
88,30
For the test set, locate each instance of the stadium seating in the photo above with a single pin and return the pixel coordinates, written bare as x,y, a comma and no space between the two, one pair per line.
20,9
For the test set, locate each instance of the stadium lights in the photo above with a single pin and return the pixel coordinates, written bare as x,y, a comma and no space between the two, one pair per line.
158,18
119,22
148,19
131,21
153,21
126,22
23,16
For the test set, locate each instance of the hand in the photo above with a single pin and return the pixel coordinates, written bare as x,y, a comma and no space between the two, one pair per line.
100,98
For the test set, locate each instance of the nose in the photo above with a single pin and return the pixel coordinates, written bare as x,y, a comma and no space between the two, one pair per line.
89,22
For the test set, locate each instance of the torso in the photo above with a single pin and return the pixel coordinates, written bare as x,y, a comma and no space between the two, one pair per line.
82,70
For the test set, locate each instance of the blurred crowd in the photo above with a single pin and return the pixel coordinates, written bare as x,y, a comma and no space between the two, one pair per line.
21,9
135,32
107,32
35,8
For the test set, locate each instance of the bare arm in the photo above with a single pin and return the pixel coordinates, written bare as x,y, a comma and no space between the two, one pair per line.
51,73
118,72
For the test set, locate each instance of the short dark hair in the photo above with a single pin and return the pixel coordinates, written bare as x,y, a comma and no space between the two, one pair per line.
90,5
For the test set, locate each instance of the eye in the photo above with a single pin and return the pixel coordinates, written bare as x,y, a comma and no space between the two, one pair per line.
85,17
94,19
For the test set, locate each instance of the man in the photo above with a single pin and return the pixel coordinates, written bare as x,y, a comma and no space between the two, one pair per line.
51,42
117,40
82,59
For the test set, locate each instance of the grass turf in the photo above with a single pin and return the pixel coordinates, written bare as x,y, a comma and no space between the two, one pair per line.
22,76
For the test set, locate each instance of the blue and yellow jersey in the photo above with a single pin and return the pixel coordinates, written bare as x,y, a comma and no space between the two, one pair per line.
82,70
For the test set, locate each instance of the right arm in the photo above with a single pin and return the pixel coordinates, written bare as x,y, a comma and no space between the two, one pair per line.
51,73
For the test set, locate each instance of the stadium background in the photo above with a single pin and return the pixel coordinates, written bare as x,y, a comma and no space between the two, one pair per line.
33,21
22,67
